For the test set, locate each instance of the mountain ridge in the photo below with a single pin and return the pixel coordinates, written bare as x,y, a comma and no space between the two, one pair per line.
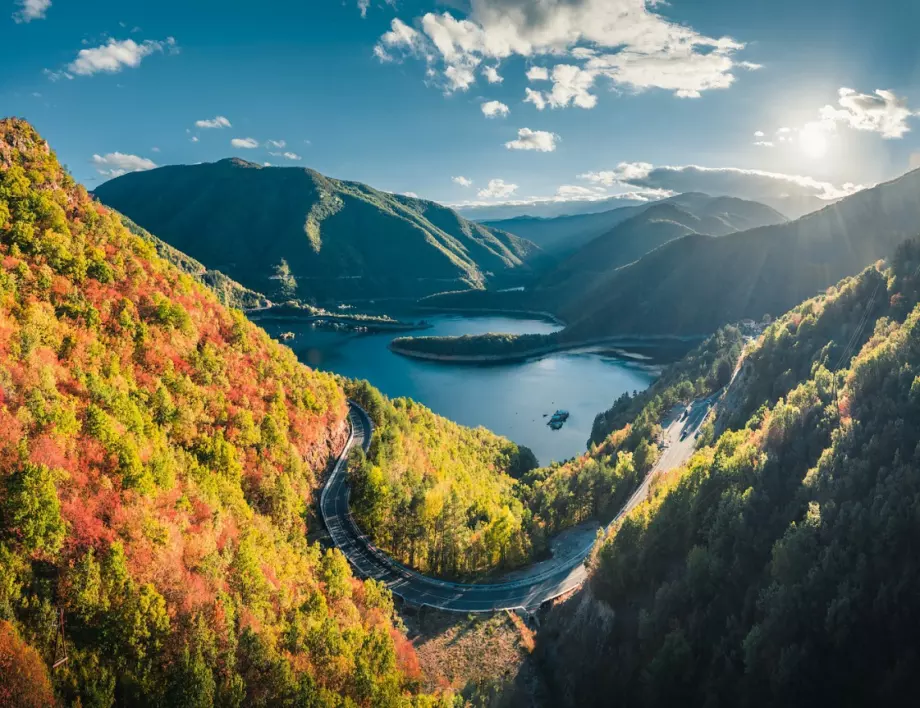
341,240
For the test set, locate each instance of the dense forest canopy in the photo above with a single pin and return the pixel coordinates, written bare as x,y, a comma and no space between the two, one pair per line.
158,454
778,567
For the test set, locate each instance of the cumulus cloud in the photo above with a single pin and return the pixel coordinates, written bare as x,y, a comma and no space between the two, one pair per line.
459,78
882,112
286,155
534,97
400,38
216,122
626,41
113,56
462,181
764,143
497,189
539,140
115,164
571,85
362,7
759,134
495,109
31,10
246,143
537,73
492,75
758,185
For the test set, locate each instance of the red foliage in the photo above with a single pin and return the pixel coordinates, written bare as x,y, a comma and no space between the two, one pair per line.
45,450
406,658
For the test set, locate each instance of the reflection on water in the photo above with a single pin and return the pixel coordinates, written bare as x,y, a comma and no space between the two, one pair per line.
510,399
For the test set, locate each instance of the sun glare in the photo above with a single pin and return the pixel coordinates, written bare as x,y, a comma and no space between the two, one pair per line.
813,141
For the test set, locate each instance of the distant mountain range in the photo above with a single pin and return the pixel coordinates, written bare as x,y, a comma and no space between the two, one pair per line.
717,216
689,282
339,240
694,284
546,209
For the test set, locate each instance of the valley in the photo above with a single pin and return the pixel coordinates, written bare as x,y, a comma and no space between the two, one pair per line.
508,398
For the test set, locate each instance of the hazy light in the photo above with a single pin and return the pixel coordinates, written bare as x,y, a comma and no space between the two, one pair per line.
813,140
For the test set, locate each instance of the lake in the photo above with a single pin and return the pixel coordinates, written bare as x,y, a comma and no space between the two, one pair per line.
509,399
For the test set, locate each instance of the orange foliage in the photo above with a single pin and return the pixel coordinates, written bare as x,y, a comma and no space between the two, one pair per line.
24,681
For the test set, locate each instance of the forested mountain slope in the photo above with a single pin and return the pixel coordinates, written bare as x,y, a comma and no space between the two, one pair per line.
158,454
340,240
779,566
695,284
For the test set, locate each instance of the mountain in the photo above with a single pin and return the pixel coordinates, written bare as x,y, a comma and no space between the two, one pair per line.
694,284
291,232
228,291
656,225
565,235
778,567
545,209
159,455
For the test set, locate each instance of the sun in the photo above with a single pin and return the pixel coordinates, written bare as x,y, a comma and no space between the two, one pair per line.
813,141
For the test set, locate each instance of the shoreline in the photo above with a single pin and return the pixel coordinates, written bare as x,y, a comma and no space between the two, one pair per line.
623,341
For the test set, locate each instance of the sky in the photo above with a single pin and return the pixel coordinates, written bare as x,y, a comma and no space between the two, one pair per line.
479,101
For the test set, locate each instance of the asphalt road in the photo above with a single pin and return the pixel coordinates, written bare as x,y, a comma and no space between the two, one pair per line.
528,593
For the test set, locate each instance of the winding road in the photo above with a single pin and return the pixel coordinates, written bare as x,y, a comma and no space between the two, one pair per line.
420,590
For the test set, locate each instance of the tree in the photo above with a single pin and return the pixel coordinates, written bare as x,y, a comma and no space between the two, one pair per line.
24,681
32,511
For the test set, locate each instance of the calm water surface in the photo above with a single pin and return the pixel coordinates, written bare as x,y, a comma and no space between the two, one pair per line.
509,399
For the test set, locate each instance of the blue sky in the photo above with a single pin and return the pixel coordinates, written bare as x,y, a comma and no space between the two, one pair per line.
395,98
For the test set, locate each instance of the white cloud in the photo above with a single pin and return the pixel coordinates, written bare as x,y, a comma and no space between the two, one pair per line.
462,181
759,134
154,149
459,78
764,143
537,73
572,191
539,140
31,10
247,143
497,189
114,56
534,97
570,86
115,164
494,109
193,139
492,75
216,122
747,184
624,40
400,37
362,6
276,143
286,155
882,112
